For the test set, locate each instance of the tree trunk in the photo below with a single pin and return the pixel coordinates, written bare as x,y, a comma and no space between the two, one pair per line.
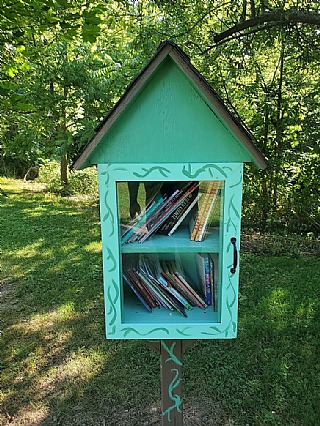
279,129
64,169
64,157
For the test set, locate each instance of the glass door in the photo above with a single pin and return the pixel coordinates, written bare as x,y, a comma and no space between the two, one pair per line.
167,249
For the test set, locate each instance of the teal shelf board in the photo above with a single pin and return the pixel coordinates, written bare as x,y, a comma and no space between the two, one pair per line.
178,242
135,313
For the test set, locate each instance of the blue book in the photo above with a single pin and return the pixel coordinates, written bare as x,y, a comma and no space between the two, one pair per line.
140,222
203,265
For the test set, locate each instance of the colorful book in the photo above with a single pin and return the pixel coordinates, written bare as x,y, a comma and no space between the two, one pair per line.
143,289
171,285
138,226
214,271
178,215
161,284
188,287
136,292
200,224
203,265
184,215
170,207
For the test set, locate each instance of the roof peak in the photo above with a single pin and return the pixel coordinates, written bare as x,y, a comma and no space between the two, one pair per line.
169,49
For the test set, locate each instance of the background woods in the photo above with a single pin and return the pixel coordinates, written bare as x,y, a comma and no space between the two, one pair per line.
64,64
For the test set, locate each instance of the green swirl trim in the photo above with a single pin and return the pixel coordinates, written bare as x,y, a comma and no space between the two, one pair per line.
170,351
187,171
234,294
175,398
162,170
183,332
109,215
216,329
238,183
231,208
113,300
113,260
129,330
120,169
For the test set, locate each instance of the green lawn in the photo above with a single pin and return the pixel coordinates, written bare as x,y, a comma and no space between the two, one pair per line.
58,369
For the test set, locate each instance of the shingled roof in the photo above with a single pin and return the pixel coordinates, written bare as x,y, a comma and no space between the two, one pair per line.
170,49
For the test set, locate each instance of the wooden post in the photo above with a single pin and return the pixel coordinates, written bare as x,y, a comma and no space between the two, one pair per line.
171,382
171,352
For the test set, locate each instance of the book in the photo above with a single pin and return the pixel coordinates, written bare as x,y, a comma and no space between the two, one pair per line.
136,292
199,224
161,284
214,271
187,286
178,215
163,213
203,265
138,226
171,283
168,207
143,290
184,215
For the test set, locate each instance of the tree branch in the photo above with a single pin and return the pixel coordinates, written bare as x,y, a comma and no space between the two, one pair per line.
278,17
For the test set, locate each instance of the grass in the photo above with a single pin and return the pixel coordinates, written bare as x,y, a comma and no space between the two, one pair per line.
57,368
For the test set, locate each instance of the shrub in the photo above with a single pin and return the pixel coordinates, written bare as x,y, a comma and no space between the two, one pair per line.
83,181
79,182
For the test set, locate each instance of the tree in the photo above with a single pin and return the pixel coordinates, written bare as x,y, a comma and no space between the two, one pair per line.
64,65
35,35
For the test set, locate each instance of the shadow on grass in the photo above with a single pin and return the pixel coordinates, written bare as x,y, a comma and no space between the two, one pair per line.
58,369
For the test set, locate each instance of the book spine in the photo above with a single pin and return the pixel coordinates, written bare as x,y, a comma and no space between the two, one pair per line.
207,281
189,292
201,222
200,217
204,276
136,292
167,211
215,261
127,237
153,289
171,287
191,194
141,288
184,215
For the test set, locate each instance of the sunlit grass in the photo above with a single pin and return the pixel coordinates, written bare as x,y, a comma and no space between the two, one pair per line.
57,367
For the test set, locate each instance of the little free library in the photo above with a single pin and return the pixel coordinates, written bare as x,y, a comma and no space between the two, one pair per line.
170,161
170,165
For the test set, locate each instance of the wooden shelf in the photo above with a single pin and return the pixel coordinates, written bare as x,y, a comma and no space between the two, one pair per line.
178,242
135,313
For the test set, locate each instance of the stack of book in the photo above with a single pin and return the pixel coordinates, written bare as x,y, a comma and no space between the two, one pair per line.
200,223
162,283
163,214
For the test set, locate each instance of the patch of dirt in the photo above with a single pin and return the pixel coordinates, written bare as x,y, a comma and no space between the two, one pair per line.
280,245
195,413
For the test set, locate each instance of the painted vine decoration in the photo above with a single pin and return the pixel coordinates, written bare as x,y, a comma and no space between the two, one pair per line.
231,221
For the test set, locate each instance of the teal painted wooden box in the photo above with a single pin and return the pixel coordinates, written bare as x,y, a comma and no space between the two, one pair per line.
170,130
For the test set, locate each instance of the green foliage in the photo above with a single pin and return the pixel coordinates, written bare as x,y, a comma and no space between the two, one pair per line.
83,182
65,64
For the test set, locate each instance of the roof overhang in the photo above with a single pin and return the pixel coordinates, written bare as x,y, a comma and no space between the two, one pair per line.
170,49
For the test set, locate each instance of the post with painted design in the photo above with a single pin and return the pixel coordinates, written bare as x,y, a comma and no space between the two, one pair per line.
170,161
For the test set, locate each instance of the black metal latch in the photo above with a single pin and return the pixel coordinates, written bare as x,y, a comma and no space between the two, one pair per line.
235,255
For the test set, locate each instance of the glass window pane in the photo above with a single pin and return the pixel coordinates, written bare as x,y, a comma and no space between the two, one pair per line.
170,250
